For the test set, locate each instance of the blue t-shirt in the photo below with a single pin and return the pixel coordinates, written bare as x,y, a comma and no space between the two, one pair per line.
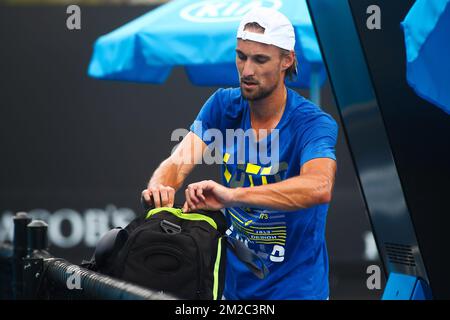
291,243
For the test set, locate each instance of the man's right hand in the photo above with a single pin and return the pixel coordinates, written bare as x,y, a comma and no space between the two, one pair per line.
159,196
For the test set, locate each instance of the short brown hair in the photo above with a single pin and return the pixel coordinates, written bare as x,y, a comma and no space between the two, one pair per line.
291,72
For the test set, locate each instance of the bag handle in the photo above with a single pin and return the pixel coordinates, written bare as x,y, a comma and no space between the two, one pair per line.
251,259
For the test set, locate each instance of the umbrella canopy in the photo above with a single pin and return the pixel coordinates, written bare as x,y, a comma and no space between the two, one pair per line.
427,41
201,36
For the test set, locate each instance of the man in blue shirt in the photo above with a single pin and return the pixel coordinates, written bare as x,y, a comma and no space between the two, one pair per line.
277,179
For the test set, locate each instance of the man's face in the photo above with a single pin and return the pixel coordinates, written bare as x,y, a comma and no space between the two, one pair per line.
259,67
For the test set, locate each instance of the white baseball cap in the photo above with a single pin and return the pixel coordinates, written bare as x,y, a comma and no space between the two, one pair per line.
278,29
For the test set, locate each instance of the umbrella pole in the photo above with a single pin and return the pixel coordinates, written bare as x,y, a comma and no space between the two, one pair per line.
314,86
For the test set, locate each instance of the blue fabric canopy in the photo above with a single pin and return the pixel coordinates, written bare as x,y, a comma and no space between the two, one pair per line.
201,36
427,41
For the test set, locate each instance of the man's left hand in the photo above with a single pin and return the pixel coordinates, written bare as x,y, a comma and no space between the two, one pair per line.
207,195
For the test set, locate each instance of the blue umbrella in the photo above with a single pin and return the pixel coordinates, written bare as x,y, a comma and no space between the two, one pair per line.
427,41
201,36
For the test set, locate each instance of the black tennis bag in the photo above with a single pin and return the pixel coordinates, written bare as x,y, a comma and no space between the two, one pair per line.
166,250
182,254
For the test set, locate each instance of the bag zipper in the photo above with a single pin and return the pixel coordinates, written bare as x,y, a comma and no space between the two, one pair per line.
186,216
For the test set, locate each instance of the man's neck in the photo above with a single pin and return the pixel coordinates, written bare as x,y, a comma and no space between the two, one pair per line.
268,111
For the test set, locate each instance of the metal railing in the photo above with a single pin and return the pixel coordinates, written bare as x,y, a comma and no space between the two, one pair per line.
6,253
29,271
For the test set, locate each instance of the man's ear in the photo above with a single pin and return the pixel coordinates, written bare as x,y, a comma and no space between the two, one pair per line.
287,60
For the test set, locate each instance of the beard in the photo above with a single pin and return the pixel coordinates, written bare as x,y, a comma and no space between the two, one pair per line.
257,93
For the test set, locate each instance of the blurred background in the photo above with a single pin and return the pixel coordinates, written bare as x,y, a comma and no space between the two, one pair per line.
76,151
